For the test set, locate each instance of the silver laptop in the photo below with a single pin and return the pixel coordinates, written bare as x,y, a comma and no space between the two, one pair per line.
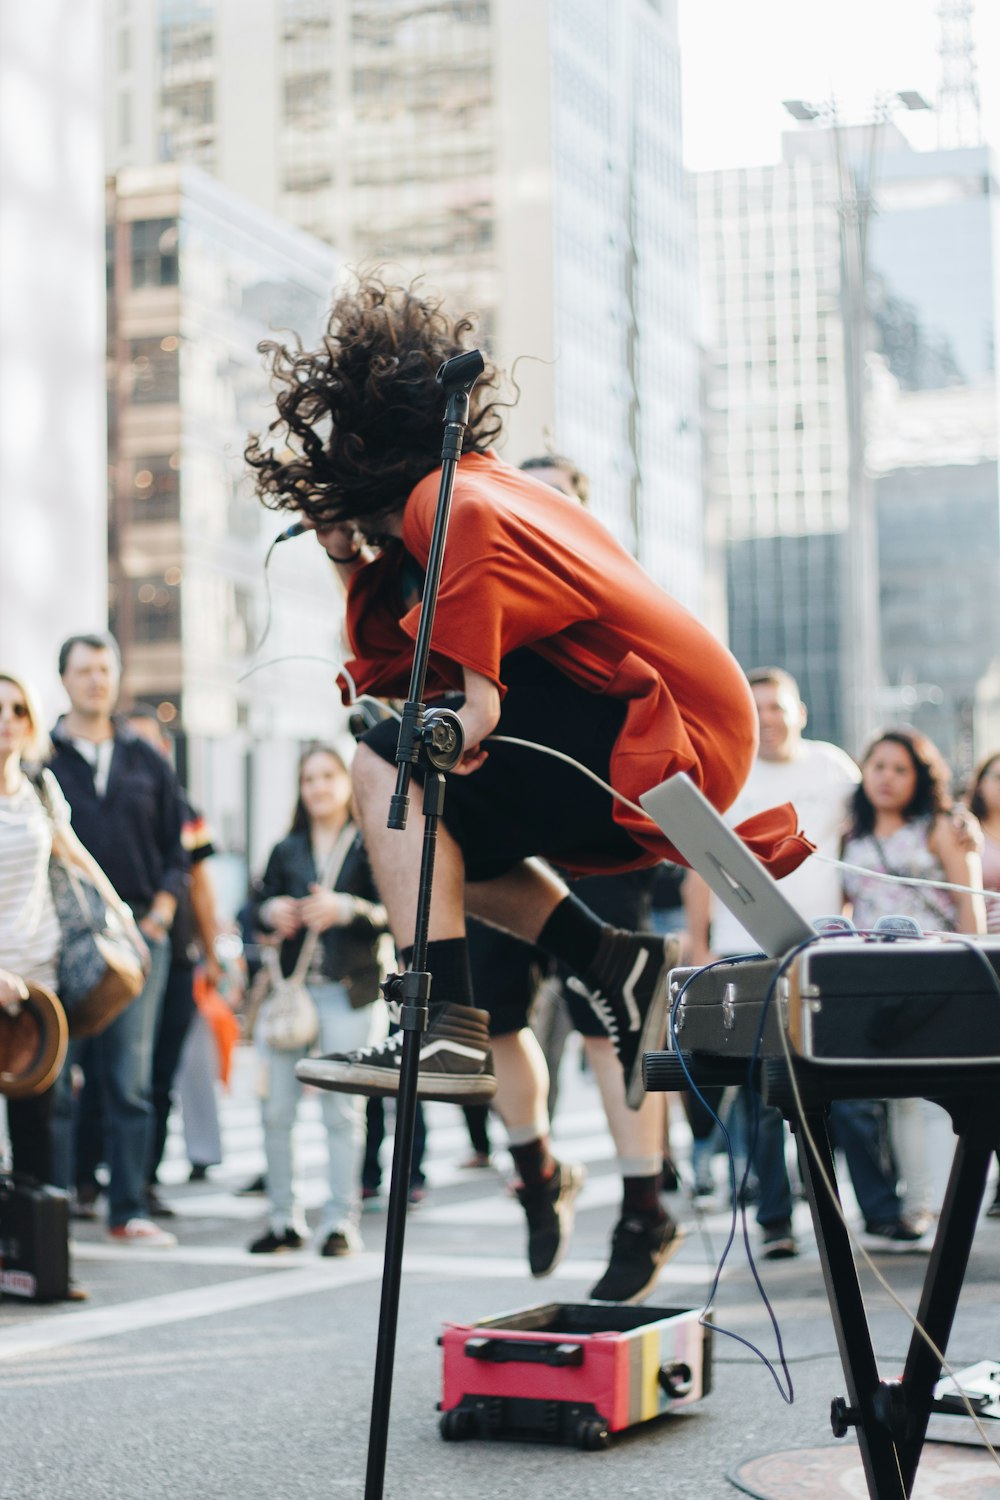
739,880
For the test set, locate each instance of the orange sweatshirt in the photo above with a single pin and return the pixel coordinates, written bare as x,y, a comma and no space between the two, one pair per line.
525,566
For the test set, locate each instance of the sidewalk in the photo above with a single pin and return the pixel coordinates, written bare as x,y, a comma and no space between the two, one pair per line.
204,1371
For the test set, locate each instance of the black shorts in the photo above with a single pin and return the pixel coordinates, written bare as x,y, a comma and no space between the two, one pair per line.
522,802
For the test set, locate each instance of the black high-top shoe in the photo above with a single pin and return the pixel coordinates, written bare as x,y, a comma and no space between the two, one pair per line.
455,1062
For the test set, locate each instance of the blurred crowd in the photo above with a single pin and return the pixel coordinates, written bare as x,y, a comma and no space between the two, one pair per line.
96,795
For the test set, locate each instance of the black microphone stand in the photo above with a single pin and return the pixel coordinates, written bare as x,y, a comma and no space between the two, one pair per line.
434,740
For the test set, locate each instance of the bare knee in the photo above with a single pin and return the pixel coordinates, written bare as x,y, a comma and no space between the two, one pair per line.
370,775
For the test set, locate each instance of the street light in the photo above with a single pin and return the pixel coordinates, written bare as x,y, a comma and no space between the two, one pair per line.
861,634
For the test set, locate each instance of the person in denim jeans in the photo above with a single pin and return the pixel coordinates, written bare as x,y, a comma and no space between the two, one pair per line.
126,812
819,779
343,978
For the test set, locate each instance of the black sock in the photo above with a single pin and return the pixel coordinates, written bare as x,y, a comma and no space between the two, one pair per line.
534,1161
572,934
641,1198
448,966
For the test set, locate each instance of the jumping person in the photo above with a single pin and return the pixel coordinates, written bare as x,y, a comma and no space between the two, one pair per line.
550,632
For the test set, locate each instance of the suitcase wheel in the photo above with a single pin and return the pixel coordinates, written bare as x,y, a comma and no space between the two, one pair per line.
456,1425
592,1434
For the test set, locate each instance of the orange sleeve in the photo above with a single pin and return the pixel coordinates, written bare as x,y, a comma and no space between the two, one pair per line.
503,585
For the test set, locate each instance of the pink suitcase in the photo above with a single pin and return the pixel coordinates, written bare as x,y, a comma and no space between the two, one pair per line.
571,1373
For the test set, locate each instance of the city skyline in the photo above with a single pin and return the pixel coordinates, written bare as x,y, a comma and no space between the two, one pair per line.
856,49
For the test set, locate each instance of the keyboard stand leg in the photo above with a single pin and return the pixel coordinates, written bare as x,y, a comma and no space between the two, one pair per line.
946,1272
880,1455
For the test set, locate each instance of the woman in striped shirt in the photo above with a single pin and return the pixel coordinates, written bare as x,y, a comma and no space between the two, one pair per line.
29,928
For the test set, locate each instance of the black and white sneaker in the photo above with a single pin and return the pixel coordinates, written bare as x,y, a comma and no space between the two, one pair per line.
455,1062
639,1248
550,1208
629,997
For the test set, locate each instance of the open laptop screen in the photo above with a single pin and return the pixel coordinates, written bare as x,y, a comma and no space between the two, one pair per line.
726,865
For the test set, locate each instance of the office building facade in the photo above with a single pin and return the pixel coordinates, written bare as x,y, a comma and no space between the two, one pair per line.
197,277
778,472
522,156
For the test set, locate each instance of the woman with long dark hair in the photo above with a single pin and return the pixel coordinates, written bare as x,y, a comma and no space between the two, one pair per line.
900,825
303,889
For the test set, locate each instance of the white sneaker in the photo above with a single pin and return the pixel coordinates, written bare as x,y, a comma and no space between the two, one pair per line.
142,1232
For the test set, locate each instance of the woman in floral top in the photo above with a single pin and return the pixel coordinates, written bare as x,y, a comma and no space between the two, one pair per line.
900,825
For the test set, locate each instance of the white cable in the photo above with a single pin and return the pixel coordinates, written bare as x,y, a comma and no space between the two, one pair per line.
340,669
274,660
507,739
938,885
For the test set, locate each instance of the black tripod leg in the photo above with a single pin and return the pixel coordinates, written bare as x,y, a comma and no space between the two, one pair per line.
878,1450
413,1021
402,1157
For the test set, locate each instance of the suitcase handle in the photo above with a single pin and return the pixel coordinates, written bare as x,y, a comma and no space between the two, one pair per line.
523,1351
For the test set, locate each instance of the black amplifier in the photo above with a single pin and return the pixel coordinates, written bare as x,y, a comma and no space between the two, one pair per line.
34,1240
849,1002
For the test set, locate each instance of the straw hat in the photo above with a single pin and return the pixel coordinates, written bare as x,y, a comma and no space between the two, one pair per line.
32,1043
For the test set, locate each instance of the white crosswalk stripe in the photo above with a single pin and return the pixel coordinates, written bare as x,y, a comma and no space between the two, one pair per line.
580,1134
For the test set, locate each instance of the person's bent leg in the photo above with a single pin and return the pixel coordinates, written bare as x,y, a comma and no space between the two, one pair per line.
645,1235
454,1050
547,1189
395,854
626,974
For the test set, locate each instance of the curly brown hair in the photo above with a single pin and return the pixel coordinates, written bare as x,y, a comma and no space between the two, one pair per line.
362,415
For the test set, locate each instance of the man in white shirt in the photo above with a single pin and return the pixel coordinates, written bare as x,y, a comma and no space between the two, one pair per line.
820,780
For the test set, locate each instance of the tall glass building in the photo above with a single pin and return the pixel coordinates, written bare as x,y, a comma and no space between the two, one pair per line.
933,442
776,419
777,473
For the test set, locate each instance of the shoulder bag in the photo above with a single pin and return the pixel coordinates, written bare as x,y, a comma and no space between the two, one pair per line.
288,1019
100,972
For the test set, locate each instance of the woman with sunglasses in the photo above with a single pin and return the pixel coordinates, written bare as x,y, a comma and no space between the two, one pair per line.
29,928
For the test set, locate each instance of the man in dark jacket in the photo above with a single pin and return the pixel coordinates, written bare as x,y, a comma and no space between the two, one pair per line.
126,811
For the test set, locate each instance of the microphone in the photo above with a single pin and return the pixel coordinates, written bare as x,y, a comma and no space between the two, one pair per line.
296,529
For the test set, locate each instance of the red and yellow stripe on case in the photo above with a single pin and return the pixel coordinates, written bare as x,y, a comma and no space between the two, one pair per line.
640,1356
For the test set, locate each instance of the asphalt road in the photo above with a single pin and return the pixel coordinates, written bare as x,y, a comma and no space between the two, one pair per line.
205,1372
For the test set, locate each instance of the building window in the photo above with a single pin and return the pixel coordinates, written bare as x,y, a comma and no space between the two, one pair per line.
156,610
155,368
156,489
154,252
